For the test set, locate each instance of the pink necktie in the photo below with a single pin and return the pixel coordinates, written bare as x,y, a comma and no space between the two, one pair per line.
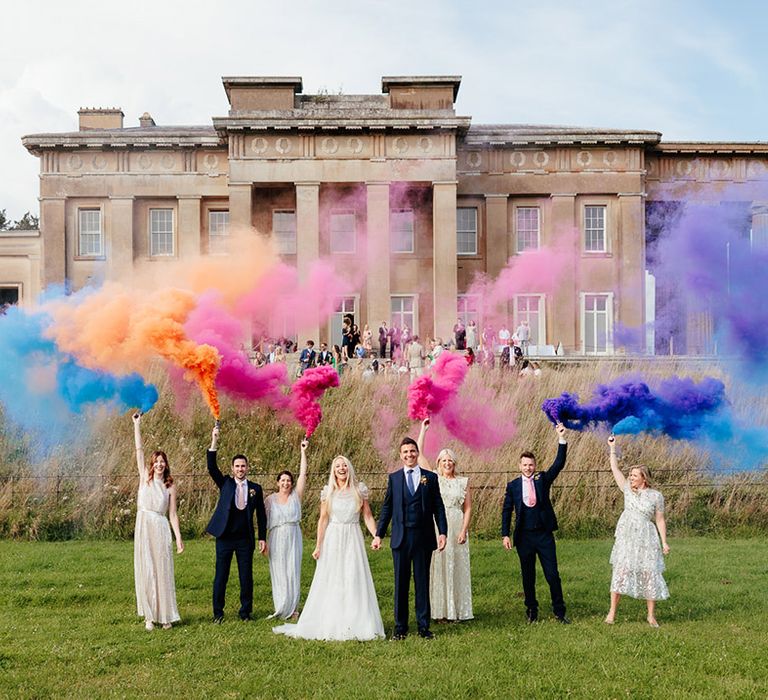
530,493
241,495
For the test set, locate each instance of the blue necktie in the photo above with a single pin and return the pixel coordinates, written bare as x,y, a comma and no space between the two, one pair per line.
409,481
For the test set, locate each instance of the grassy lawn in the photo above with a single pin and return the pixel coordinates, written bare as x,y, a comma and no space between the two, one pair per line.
68,629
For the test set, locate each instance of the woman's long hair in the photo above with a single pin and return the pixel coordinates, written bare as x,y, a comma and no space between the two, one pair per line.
352,483
167,478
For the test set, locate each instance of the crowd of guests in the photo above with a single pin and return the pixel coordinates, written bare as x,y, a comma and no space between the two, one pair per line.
400,351
430,510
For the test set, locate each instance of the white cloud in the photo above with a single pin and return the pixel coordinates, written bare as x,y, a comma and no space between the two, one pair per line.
631,64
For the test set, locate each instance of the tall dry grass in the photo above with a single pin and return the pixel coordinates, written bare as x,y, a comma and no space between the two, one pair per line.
88,488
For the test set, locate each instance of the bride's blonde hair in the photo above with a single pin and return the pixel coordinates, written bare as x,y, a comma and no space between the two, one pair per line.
352,482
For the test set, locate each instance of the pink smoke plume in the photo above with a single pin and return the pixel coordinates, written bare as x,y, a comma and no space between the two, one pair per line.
210,323
306,393
474,419
281,305
428,394
533,272
384,420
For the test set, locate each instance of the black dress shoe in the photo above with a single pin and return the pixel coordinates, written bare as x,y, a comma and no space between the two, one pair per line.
246,618
398,636
426,634
218,619
532,616
563,620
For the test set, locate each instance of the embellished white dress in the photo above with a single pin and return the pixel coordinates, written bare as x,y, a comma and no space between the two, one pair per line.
153,556
285,549
450,582
637,559
342,603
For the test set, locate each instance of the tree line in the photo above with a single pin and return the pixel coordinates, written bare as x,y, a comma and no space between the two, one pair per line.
28,222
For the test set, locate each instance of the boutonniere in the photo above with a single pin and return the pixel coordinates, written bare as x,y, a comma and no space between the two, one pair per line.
423,481
537,477
252,493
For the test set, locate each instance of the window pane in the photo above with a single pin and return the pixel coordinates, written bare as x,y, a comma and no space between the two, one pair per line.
284,231
343,232
401,225
218,231
594,229
589,332
527,228
90,238
466,231
161,231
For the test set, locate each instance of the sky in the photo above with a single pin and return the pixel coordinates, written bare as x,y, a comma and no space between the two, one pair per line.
691,69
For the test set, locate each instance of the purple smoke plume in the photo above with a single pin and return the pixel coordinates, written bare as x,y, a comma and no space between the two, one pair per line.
679,408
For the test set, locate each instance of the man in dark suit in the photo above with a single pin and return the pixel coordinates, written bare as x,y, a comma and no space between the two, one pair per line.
232,526
383,335
414,505
324,356
535,521
307,357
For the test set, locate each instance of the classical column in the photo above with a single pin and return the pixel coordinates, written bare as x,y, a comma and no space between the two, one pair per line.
240,207
189,225
630,260
377,254
760,225
52,232
498,249
307,242
563,307
444,264
120,238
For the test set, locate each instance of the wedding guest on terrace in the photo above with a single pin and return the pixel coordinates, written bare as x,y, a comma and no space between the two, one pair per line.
640,541
367,339
152,555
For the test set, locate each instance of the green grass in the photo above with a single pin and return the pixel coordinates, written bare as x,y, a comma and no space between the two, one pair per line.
68,629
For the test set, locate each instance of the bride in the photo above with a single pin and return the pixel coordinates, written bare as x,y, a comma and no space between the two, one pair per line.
342,601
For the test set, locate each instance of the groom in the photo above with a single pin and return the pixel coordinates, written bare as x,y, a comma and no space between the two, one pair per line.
232,526
414,505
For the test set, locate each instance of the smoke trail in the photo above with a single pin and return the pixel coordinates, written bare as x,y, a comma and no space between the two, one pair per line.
679,408
470,416
210,324
43,390
113,330
428,394
306,393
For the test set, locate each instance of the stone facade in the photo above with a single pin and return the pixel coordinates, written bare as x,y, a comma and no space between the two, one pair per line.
394,182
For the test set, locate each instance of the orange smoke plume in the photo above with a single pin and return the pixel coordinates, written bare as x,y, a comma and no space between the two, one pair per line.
119,332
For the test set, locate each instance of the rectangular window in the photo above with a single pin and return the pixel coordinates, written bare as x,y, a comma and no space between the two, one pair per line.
91,238
467,308
343,232
344,307
284,231
401,230
160,232
594,229
528,228
218,232
530,308
466,231
404,312
597,323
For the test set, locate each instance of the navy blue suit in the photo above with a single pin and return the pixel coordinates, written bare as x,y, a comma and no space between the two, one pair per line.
413,540
233,530
533,533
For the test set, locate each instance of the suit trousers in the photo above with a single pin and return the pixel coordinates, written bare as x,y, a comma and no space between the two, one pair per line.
541,542
412,554
243,550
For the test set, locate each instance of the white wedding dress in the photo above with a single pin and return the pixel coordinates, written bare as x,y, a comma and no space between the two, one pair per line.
342,603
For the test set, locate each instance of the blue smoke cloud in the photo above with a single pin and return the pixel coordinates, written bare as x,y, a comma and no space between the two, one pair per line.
44,391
